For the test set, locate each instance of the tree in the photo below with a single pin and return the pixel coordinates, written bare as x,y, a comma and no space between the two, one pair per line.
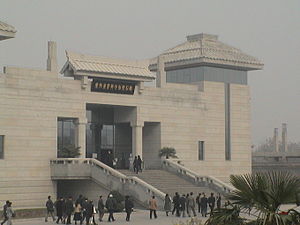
263,193
167,152
69,151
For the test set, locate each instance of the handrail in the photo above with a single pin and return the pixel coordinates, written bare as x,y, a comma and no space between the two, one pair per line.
113,172
196,177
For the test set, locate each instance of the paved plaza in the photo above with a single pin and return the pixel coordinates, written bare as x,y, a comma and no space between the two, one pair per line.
139,217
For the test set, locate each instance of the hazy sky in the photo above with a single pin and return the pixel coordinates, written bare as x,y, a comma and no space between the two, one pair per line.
136,29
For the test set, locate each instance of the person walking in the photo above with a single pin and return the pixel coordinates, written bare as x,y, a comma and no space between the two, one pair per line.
59,209
219,201
10,213
192,204
90,212
100,208
187,204
153,207
50,209
198,199
211,202
111,205
168,204
77,212
176,204
128,207
203,203
84,208
182,203
139,164
79,200
69,209
5,212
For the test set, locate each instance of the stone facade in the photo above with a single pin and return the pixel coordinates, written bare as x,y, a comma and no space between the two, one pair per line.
175,115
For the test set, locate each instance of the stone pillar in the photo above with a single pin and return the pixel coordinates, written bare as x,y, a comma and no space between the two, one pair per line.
284,137
82,137
161,78
275,140
137,139
52,57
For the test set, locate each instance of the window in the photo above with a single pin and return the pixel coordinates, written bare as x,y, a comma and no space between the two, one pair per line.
66,132
201,150
1,146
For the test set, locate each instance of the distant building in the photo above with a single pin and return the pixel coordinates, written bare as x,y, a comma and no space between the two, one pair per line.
200,105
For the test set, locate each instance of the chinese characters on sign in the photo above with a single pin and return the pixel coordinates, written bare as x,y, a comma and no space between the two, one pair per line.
118,87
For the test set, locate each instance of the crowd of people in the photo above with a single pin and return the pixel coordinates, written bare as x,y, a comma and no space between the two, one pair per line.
84,210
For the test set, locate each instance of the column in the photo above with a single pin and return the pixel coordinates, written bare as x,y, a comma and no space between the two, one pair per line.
137,138
82,137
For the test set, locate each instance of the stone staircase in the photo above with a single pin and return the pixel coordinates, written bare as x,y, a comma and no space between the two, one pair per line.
168,182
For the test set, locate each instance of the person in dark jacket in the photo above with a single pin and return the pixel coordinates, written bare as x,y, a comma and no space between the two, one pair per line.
59,209
135,165
90,212
198,199
187,203
4,212
182,203
219,201
203,203
100,208
50,209
128,207
139,164
79,200
84,207
69,209
168,204
176,204
211,202
111,205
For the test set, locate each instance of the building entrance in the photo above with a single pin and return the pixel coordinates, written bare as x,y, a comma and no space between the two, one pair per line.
108,140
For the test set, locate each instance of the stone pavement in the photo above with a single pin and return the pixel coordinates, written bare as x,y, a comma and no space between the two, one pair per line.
139,217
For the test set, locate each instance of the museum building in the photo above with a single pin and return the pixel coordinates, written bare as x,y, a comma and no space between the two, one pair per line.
193,97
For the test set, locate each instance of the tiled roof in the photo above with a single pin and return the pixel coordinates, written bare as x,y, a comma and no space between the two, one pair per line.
207,48
6,31
7,27
97,64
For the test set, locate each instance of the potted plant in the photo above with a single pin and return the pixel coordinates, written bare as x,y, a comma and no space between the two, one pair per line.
167,152
69,151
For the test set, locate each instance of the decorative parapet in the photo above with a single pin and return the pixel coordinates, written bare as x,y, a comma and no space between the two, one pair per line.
83,168
192,176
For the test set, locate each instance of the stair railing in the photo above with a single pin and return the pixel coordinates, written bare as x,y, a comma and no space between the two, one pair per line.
186,173
129,185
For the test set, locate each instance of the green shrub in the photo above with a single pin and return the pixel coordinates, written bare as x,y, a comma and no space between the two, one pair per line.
168,152
69,151
120,200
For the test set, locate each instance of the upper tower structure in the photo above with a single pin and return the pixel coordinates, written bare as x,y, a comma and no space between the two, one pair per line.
202,50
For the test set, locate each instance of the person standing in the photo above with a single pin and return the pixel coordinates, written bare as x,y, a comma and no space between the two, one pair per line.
69,209
50,209
219,201
176,204
198,199
211,202
153,207
5,212
10,213
135,165
59,209
168,204
203,203
192,204
77,213
128,207
79,200
139,164
100,208
111,205
182,203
